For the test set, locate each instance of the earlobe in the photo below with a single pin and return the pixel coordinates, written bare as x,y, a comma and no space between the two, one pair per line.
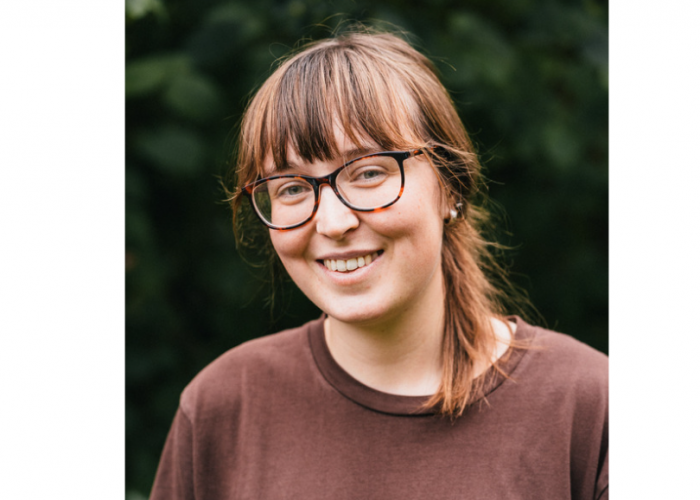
447,208
446,212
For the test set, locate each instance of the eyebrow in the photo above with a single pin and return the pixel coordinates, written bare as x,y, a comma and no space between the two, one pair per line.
345,157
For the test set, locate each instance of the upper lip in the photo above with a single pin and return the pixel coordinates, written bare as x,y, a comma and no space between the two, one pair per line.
349,254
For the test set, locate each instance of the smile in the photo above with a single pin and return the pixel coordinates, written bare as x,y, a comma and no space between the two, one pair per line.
348,265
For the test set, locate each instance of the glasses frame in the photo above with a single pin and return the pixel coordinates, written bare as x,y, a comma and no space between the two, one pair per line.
330,179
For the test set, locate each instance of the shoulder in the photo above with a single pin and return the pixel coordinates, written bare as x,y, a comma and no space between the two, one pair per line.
563,364
566,350
259,365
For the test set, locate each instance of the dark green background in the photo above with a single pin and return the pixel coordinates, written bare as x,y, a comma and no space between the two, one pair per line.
530,81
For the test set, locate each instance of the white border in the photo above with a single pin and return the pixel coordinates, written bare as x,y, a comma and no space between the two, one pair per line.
62,250
655,249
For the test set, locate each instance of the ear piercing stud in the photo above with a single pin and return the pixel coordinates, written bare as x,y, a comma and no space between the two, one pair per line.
454,211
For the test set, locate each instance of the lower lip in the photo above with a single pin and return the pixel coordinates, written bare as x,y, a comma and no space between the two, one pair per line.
350,277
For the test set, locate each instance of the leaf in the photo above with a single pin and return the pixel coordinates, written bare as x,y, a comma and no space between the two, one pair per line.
147,75
175,150
561,145
226,30
136,9
194,96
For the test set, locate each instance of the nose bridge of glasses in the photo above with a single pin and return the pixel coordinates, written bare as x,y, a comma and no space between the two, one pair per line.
326,179
327,182
333,217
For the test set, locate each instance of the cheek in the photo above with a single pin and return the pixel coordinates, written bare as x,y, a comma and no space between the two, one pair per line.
288,245
420,214
416,238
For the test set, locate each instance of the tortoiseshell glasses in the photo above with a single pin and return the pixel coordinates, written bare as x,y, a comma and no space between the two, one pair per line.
366,184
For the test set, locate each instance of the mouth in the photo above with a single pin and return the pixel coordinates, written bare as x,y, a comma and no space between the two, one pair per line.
351,264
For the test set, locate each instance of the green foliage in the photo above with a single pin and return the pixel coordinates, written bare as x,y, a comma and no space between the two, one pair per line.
530,82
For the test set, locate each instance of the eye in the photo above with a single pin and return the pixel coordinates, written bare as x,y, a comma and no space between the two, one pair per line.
290,191
369,175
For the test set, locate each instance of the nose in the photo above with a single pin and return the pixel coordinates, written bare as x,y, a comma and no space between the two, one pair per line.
333,219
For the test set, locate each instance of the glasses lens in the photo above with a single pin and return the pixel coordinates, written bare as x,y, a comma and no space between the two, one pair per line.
285,201
370,182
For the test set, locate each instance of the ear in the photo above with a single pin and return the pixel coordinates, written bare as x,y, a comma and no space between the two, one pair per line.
446,215
453,212
447,207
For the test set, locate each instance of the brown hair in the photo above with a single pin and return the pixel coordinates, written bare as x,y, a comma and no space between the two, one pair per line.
375,85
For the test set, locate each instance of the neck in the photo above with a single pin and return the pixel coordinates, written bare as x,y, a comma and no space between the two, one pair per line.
400,355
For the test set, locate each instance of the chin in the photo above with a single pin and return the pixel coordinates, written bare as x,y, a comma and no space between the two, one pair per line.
359,312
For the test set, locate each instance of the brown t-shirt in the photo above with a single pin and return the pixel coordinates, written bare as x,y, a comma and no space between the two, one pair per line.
278,418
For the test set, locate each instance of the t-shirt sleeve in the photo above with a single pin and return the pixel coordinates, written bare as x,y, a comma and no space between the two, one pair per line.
174,479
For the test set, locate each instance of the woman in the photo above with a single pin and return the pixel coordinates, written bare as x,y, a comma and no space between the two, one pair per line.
414,383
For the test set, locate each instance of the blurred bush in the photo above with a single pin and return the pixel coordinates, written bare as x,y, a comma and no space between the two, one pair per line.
530,81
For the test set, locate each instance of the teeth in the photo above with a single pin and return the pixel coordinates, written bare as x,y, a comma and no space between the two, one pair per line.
350,264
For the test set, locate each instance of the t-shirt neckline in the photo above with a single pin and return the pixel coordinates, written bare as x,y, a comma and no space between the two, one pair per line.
396,404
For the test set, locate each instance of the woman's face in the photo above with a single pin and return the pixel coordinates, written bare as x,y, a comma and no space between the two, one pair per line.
405,243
